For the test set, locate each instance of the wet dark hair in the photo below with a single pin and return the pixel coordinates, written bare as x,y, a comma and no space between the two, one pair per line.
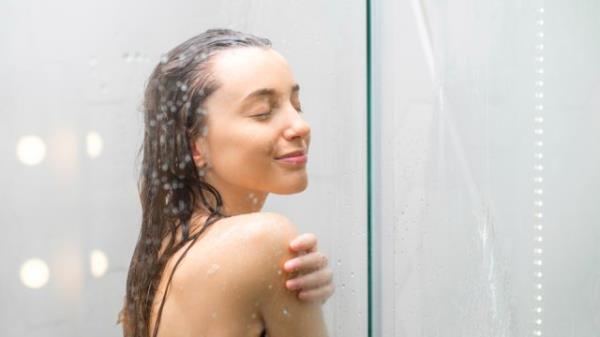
170,184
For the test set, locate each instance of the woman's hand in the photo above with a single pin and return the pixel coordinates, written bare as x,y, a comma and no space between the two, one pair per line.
314,277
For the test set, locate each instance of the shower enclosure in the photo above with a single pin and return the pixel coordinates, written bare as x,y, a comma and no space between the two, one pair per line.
453,170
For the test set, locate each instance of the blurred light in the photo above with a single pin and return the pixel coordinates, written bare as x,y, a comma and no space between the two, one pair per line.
31,150
98,263
94,144
34,273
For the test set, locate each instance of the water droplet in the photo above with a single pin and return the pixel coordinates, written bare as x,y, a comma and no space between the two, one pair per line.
270,286
285,312
138,56
213,269
164,59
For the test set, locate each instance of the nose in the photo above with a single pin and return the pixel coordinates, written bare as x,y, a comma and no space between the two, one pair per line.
297,127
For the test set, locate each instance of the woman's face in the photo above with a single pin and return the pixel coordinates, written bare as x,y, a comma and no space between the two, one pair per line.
253,118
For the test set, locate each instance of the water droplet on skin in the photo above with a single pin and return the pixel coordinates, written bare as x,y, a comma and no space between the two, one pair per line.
285,312
270,286
279,272
253,315
213,269
214,315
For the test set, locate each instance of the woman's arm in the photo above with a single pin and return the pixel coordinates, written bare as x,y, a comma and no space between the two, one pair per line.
281,310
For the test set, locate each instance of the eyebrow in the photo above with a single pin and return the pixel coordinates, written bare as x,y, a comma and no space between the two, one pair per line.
268,92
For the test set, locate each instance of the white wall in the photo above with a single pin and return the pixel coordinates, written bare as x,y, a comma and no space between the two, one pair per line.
71,67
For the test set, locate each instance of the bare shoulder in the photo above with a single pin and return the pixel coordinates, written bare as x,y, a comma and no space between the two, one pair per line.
253,245
268,227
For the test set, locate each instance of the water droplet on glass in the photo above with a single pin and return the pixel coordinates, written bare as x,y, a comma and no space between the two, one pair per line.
128,57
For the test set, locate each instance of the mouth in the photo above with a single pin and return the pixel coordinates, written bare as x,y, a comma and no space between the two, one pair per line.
294,160
293,154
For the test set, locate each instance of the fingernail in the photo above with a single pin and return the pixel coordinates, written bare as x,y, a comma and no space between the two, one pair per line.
289,265
290,284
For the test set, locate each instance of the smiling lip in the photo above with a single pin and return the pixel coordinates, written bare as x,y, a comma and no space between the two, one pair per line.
295,160
292,154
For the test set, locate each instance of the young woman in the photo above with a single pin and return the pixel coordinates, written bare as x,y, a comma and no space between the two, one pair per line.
223,129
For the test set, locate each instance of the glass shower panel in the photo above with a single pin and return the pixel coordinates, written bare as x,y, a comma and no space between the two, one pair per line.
71,91
487,169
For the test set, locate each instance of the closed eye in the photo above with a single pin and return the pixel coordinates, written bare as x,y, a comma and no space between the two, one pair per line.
263,116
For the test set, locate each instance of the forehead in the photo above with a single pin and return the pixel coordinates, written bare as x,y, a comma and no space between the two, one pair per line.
240,71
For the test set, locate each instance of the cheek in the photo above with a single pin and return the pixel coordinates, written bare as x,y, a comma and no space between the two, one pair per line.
243,152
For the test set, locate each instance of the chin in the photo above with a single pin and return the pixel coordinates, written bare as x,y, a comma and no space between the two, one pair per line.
291,188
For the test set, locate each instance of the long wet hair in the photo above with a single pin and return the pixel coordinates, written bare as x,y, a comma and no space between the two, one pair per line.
171,186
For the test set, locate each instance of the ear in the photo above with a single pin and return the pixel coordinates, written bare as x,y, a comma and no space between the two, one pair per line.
198,146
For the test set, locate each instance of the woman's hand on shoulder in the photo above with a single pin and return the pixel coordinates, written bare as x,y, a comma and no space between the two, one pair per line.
315,278
283,312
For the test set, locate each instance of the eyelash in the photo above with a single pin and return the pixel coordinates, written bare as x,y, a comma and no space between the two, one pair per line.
264,116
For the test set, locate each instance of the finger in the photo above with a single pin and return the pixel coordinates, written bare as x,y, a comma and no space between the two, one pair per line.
313,280
306,241
319,294
306,263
